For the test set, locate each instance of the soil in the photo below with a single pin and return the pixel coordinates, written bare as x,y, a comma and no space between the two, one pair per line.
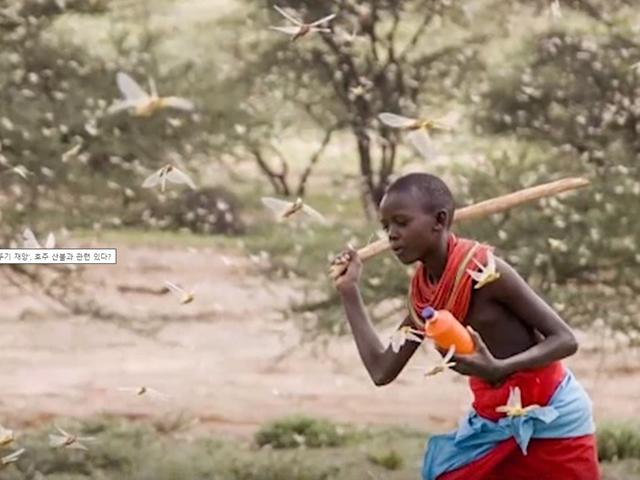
230,358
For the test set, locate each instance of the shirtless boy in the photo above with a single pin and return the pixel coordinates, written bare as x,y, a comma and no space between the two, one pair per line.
519,342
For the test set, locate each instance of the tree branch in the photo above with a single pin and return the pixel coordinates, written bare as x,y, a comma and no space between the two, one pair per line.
314,159
391,57
416,36
277,180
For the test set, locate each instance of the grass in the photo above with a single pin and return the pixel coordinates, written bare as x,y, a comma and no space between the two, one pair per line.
138,451
617,441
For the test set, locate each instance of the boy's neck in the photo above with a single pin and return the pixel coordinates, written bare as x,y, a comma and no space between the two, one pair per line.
436,262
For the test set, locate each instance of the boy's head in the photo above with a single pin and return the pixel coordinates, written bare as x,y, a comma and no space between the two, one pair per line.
416,212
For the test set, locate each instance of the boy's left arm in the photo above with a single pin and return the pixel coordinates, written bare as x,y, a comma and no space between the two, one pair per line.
516,295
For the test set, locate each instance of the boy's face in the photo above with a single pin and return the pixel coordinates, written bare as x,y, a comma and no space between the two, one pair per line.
413,232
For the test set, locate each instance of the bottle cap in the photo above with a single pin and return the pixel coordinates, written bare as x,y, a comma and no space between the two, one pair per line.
428,313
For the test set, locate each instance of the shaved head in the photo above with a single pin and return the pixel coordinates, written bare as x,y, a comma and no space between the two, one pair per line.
427,190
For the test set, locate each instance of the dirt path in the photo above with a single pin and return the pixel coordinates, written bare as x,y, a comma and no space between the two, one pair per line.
222,359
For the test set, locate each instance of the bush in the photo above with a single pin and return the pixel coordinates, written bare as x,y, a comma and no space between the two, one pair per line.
206,210
577,100
390,460
82,164
298,431
617,442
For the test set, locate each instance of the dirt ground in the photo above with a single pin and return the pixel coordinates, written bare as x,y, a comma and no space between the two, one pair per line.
230,358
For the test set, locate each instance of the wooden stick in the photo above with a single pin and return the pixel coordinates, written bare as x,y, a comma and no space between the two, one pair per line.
478,210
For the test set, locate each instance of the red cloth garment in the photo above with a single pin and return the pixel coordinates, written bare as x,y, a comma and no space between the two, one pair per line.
547,459
537,386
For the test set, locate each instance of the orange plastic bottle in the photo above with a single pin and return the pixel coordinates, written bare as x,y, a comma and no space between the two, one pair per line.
443,328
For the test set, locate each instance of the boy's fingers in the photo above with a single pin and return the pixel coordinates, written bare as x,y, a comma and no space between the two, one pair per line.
340,258
477,339
344,257
473,333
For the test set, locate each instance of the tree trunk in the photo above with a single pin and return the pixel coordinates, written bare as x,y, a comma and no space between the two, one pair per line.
373,186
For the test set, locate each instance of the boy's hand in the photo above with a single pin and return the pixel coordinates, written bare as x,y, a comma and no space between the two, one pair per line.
351,276
481,363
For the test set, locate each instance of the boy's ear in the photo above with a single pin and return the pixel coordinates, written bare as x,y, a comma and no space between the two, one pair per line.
442,220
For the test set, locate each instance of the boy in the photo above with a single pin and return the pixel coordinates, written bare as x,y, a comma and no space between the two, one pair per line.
519,342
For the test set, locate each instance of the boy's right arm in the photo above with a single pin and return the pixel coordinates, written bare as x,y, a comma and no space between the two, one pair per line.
382,363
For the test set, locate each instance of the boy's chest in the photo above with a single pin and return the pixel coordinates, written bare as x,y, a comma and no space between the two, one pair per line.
485,313
503,332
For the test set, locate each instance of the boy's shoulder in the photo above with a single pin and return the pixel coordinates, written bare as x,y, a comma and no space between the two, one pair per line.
502,281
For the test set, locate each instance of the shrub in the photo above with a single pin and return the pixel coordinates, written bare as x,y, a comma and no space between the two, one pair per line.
298,431
390,460
618,442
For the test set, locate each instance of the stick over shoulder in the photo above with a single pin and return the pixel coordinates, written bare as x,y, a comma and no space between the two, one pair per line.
478,210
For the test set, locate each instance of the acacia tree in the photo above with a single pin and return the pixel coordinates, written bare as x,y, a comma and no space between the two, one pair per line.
377,58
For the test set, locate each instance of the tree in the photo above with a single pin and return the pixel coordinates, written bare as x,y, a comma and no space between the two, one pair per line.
55,129
579,96
377,58
569,105
63,161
